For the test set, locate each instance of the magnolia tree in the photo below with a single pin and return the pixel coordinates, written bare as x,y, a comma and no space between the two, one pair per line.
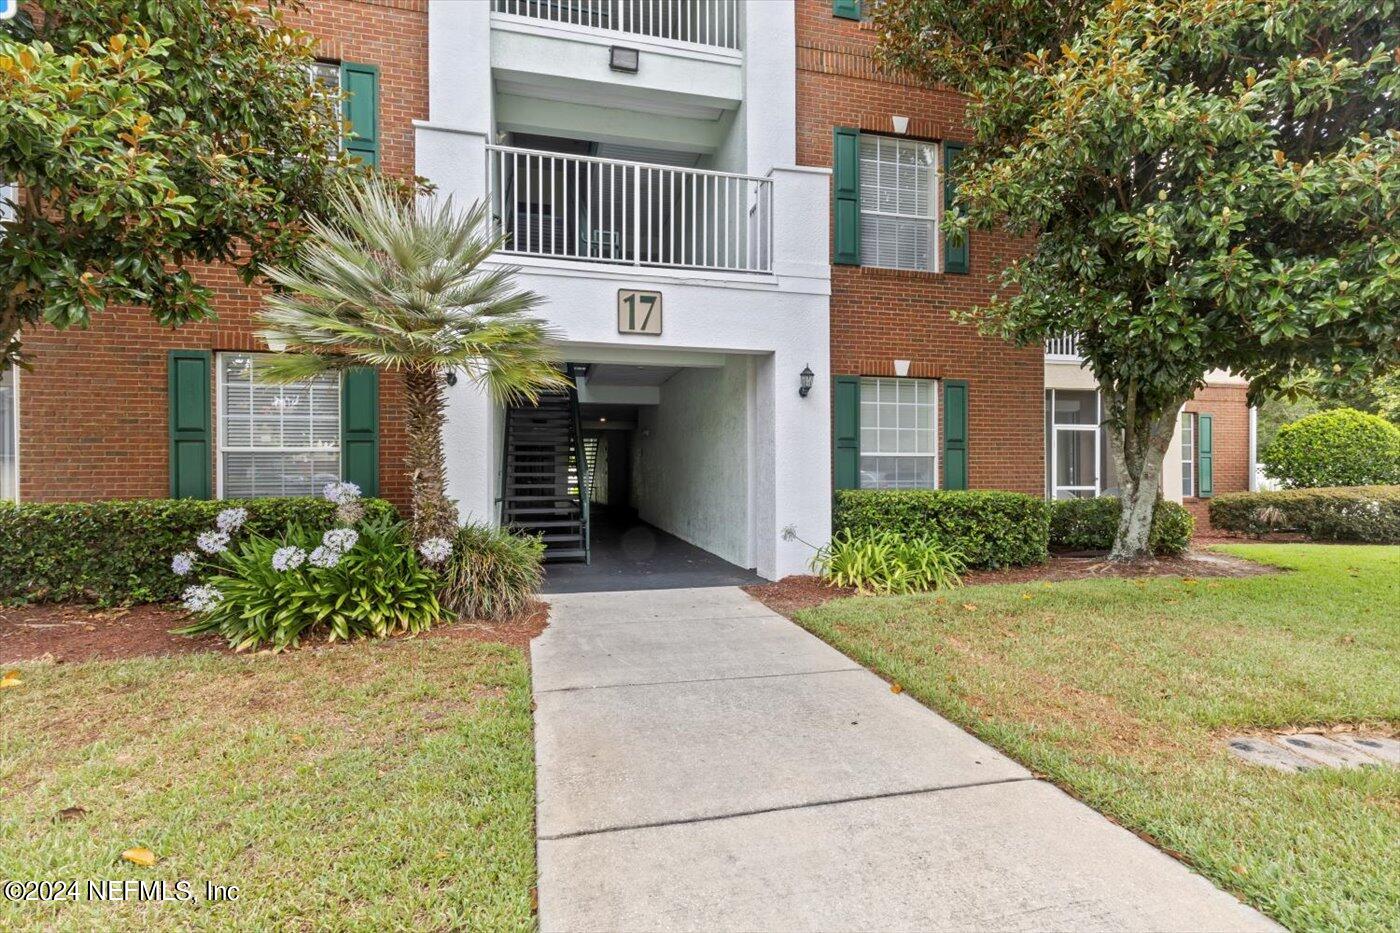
140,137
1209,184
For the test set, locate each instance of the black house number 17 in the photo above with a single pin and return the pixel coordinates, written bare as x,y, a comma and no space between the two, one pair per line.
638,312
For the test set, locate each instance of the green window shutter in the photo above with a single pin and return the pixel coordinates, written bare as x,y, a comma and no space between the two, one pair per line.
954,434
957,253
846,9
191,436
845,438
845,194
1205,479
359,428
361,85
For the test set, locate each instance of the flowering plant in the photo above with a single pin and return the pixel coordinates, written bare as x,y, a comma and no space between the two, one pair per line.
349,582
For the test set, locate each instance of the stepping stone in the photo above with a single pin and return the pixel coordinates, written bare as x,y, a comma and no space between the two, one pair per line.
1377,746
1259,752
1326,751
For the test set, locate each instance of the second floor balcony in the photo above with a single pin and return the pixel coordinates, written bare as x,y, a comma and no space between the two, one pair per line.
597,210
1063,349
711,23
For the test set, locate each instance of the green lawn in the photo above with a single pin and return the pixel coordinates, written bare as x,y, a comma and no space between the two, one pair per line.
375,786
1119,691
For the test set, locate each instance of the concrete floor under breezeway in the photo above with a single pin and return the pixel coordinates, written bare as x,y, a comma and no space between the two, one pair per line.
629,554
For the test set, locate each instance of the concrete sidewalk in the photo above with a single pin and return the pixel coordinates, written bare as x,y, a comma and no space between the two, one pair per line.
703,763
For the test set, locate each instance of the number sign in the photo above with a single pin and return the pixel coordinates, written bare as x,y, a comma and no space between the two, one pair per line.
638,312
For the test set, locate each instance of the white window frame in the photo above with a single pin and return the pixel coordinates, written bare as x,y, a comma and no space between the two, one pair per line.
1054,488
14,422
937,385
220,415
935,216
314,78
1188,454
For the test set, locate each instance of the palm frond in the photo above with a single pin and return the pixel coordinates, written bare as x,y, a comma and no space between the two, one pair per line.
398,284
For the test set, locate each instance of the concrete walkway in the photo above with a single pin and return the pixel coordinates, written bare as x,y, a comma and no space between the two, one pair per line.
703,763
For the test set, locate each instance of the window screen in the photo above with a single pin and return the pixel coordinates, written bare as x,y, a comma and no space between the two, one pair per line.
898,181
276,440
898,435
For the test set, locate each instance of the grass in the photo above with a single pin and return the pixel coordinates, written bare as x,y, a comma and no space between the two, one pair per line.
374,786
1119,691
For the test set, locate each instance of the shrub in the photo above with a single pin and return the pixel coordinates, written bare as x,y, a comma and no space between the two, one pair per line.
119,551
887,562
1343,447
492,572
348,583
1369,514
1091,524
990,529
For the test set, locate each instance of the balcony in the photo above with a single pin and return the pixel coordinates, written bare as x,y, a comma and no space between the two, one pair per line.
1063,349
593,210
712,23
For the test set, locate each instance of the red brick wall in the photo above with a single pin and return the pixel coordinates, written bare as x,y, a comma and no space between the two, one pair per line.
880,315
1229,411
93,416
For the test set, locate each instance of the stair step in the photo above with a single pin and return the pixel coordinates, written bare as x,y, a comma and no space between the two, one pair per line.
550,523
565,554
512,513
576,538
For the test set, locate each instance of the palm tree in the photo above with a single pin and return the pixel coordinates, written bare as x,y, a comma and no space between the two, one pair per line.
398,284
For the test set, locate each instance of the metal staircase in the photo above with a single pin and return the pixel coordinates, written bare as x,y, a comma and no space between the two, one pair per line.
544,474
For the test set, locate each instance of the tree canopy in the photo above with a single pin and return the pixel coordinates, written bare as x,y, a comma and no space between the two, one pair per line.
1210,185
144,137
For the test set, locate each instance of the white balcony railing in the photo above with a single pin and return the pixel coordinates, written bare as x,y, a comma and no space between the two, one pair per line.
1064,348
605,210
702,22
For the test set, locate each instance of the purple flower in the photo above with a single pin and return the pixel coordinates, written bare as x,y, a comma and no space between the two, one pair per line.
340,540
324,557
287,558
230,520
435,550
201,598
183,563
212,542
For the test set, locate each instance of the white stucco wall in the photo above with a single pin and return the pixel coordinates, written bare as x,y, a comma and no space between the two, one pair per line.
691,460
778,323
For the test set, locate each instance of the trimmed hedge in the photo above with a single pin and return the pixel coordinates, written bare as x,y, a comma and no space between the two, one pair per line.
991,529
1091,524
119,551
1368,514
1343,447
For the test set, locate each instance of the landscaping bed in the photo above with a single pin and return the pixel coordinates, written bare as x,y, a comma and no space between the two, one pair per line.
65,633
1120,691
377,785
790,594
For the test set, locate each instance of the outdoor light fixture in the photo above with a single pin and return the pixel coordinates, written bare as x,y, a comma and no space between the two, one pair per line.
624,59
806,381
450,378
900,124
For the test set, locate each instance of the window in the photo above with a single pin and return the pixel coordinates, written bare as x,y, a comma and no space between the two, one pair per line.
275,440
325,80
898,186
1188,453
9,437
898,434
1073,443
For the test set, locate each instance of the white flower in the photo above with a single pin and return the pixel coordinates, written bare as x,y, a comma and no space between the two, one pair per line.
201,598
183,563
341,493
435,550
287,558
212,542
340,540
230,520
324,557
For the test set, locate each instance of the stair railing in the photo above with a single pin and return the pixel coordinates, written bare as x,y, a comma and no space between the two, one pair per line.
581,458
505,471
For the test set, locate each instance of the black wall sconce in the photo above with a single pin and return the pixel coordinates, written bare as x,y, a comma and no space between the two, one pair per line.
805,381
450,378
624,59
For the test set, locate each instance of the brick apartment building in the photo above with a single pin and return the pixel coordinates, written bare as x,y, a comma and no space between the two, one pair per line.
711,137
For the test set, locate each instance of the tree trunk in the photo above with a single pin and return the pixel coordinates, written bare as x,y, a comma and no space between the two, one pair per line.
1137,449
433,514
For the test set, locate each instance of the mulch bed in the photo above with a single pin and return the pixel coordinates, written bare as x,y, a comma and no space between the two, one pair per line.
67,633
791,594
